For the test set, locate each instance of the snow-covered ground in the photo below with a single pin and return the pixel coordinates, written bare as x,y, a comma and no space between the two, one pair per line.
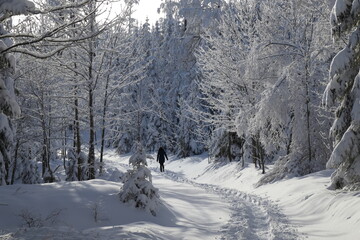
199,201
315,211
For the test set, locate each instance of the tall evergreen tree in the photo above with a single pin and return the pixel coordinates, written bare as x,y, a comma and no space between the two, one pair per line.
344,89
9,107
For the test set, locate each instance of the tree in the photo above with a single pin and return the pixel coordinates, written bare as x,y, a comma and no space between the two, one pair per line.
31,42
343,91
286,115
132,95
110,60
226,89
179,94
138,189
37,97
9,107
82,68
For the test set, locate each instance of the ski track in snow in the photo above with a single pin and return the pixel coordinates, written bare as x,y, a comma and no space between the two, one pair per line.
253,217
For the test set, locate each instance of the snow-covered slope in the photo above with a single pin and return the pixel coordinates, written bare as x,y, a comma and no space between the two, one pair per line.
92,210
199,201
317,212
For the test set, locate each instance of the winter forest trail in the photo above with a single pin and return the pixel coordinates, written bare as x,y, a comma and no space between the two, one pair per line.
252,218
187,211
218,213
91,210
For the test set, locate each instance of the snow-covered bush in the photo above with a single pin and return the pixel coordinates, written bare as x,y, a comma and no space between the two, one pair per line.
30,173
286,167
138,189
49,176
226,146
72,166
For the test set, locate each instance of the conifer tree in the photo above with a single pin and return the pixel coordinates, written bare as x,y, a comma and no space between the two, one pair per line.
138,189
343,91
9,107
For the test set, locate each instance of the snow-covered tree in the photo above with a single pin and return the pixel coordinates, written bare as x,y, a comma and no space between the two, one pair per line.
132,96
9,107
138,189
114,50
262,68
343,91
226,88
71,166
179,94
294,50
56,27
29,172
38,92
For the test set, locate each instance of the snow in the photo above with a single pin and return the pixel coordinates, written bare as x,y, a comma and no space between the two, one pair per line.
355,113
8,103
355,9
339,10
138,189
339,73
316,212
340,61
186,210
340,69
198,201
345,148
16,7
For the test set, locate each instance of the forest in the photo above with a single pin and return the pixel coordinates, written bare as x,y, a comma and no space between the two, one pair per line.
270,82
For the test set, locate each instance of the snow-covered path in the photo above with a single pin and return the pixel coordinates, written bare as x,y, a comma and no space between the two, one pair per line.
189,210
251,216
195,211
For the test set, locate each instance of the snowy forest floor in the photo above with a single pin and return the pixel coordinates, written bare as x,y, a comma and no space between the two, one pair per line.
199,201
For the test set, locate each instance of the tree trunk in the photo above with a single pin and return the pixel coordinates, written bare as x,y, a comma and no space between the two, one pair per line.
229,147
103,121
49,123
262,157
289,143
64,143
77,140
254,152
308,126
91,157
17,145
307,91
4,170
243,157
45,155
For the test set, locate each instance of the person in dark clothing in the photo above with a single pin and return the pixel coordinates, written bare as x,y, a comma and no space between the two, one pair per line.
161,158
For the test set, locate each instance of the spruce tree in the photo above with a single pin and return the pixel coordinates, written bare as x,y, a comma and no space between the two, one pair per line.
343,91
138,189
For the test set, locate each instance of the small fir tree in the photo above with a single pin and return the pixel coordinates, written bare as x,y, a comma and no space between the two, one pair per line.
138,189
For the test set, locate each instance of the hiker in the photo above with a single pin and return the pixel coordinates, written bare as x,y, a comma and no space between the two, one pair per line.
161,158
